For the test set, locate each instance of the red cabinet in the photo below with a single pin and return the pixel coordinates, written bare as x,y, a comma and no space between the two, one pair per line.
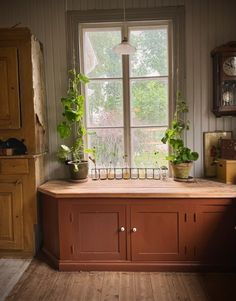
215,235
139,234
156,232
93,232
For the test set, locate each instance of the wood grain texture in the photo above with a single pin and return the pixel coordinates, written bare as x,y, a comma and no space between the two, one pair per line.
10,272
40,282
136,188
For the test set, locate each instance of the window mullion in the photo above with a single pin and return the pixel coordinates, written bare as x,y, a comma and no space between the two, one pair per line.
126,107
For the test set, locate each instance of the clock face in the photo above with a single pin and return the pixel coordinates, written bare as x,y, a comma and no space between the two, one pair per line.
229,66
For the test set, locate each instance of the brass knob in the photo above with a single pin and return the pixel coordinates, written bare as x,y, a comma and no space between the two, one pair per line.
134,229
122,229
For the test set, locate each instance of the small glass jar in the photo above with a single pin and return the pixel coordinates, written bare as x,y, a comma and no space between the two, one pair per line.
134,173
111,173
164,173
156,173
102,173
118,173
142,173
126,173
149,173
94,174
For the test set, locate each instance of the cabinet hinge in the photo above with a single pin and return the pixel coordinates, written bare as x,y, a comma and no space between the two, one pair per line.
72,249
71,217
185,217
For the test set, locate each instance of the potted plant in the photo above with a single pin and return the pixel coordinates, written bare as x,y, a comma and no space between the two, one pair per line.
181,157
73,111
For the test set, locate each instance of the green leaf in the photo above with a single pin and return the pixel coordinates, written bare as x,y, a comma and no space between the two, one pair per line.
64,129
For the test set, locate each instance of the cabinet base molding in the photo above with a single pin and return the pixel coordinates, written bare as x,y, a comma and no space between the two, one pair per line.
130,266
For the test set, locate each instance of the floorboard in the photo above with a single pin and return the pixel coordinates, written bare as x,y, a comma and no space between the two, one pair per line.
41,282
10,272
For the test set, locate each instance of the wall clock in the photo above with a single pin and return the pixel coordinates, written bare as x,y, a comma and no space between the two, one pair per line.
224,80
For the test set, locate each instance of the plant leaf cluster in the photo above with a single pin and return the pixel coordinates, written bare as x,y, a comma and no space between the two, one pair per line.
73,112
174,135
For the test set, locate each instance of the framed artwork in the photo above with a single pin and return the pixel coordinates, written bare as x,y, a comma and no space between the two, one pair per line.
212,151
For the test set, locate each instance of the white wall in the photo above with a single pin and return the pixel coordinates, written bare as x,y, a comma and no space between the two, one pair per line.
209,23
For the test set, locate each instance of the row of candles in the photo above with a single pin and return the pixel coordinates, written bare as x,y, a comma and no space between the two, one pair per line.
129,173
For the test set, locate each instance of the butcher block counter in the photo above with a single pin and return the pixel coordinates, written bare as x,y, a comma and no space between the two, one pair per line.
139,189
139,225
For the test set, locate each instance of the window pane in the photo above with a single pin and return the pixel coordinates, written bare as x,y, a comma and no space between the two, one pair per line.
109,145
99,58
149,102
151,57
144,142
104,103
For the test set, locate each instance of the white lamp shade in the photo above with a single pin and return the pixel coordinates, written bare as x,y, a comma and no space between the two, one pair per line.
124,47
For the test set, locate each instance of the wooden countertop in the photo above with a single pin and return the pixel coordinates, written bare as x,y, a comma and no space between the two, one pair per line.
200,188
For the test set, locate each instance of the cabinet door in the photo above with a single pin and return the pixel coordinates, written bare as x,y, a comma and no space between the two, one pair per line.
215,235
158,232
11,216
9,91
93,232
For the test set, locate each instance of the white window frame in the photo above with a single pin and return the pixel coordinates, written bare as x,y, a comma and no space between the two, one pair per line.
174,16
126,78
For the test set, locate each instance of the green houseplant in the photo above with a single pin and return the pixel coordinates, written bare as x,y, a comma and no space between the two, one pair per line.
72,127
181,157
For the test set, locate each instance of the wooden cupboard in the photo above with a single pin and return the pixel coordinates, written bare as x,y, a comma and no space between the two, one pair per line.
98,233
9,93
93,232
11,215
22,116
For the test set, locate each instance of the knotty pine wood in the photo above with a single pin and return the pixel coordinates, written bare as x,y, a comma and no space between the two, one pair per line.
40,282
139,188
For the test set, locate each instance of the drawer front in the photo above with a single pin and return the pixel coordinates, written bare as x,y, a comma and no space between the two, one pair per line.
14,166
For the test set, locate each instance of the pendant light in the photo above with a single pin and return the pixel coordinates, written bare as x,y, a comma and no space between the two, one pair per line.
124,47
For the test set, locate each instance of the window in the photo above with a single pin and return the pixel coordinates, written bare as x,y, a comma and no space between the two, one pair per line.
127,98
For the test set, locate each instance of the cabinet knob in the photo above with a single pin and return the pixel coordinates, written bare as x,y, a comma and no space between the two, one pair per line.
122,229
234,227
134,229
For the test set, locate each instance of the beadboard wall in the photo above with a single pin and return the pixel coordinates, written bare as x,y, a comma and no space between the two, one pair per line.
209,23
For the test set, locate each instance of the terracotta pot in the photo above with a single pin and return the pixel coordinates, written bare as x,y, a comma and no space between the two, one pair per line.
182,170
79,175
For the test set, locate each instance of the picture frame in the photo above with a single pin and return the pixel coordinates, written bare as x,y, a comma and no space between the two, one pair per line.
211,150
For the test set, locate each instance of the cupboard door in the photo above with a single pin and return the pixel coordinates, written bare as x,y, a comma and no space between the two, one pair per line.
11,216
9,91
215,235
94,232
156,232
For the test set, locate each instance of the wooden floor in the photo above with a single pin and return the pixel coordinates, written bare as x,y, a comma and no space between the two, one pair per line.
10,272
40,282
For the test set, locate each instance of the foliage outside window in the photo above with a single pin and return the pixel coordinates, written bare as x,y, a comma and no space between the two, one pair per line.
127,98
